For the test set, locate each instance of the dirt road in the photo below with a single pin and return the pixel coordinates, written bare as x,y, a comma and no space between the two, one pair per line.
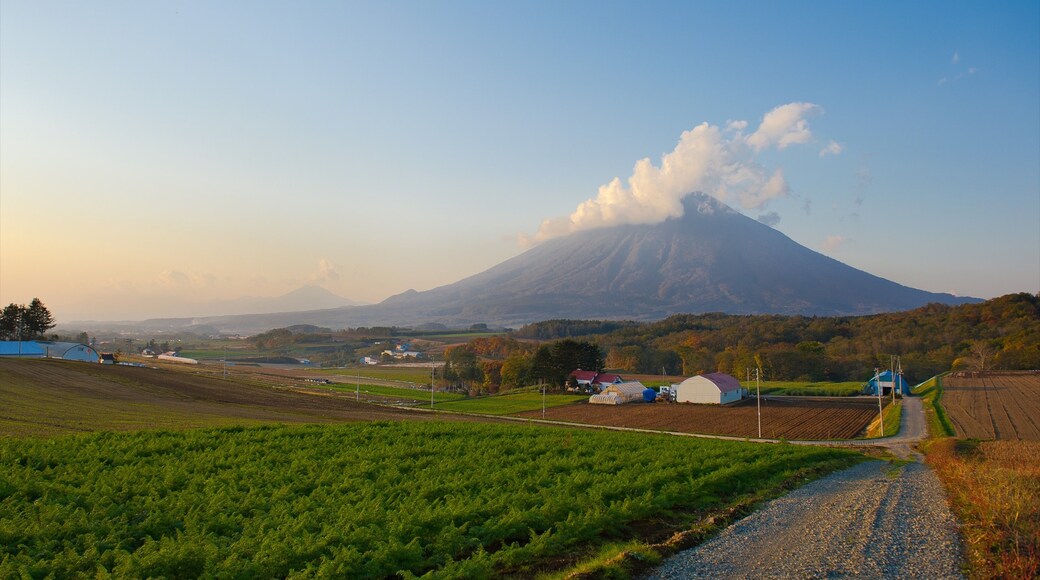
875,520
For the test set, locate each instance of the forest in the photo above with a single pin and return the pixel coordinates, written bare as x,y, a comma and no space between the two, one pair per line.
1002,333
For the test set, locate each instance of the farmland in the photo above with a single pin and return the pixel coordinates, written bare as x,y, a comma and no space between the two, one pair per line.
364,499
510,403
50,397
994,405
787,418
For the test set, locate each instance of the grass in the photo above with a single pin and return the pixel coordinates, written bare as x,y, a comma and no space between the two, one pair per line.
368,500
808,389
510,403
930,391
397,392
413,375
892,415
994,488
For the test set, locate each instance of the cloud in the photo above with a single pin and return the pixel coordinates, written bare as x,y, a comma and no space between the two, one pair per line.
327,272
771,219
832,242
177,280
720,162
783,126
832,148
956,57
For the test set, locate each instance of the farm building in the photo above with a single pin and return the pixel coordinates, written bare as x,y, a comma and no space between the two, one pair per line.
172,357
48,349
885,379
595,381
713,388
619,394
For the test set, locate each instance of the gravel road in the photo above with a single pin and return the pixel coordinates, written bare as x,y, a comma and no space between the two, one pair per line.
873,520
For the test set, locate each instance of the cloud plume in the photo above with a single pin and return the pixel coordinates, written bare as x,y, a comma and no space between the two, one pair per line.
711,159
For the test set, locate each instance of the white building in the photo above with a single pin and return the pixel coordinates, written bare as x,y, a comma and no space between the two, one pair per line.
712,388
619,394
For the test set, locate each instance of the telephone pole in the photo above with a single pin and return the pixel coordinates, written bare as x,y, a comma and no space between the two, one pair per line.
881,414
758,398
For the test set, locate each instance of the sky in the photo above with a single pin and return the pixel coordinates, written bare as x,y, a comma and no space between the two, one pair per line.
156,157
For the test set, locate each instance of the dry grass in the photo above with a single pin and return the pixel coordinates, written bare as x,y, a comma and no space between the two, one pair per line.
995,490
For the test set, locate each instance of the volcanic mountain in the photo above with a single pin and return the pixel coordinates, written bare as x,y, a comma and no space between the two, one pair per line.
712,259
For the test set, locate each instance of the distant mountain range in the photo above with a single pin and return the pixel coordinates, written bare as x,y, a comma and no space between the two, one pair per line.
712,259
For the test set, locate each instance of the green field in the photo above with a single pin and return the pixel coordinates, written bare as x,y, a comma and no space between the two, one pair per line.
416,375
509,404
398,392
365,500
807,389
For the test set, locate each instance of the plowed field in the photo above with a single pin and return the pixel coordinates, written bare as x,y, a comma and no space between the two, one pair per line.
994,405
794,418
51,397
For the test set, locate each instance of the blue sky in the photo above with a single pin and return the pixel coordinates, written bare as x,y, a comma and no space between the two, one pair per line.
157,156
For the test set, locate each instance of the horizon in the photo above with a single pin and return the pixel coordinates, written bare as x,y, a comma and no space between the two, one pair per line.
156,158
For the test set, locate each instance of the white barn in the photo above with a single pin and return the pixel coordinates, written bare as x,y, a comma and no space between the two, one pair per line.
712,388
619,394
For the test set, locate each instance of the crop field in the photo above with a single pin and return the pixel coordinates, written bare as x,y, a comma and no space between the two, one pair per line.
993,405
411,375
808,389
394,393
782,418
366,500
51,397
509,404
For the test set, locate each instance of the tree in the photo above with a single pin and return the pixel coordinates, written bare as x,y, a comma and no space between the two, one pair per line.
21,322
11,322
40,319
979,354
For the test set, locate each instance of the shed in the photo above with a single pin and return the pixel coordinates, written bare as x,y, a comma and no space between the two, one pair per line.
48,349
712,388
885,379
619,394
21,348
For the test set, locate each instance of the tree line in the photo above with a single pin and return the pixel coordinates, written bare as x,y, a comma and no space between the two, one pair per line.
1002,333
21,322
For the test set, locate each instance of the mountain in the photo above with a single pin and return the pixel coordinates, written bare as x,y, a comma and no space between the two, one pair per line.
712,259
308,297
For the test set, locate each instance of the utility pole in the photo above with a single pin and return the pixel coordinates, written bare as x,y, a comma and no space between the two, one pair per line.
758,396
881,415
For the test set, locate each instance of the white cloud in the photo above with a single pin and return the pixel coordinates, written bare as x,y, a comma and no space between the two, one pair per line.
709,159
832,148
783,126
956,57
832,242
327,272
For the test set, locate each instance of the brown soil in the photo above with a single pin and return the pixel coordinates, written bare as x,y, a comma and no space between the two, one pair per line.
994,405
42,397
792,418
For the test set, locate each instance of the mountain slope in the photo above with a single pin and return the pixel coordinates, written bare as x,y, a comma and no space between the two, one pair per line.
711,259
